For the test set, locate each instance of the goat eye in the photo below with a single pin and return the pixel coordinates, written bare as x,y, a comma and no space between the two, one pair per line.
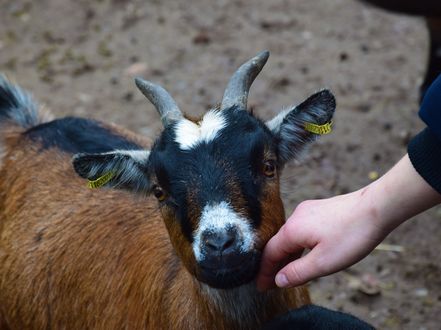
269,168
159,193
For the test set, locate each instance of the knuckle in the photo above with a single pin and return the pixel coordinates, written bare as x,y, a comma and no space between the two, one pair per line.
287,232
304,208
294,274
321,266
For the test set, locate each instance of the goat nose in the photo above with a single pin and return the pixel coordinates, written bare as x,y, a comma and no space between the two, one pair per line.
220,242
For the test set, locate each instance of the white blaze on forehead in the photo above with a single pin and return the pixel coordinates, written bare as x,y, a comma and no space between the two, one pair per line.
218,218
189,134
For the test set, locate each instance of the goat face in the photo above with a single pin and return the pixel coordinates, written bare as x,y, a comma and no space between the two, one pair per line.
216,179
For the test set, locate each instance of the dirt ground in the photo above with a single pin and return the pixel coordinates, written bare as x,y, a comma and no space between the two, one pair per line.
78,57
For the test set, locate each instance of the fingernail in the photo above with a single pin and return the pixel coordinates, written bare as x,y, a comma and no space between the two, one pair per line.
281,280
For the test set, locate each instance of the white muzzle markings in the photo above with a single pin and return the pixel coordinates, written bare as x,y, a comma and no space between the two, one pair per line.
221,217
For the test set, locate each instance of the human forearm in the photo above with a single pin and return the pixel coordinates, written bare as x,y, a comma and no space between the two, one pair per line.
399,195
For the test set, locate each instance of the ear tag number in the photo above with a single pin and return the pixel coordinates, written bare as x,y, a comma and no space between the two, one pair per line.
319,129
101,181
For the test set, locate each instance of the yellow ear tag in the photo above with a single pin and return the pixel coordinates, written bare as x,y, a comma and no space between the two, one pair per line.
319,129
101,181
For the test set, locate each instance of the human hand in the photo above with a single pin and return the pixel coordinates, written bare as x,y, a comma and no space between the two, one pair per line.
339,231
342,230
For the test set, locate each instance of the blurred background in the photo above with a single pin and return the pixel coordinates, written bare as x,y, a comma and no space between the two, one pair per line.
79,58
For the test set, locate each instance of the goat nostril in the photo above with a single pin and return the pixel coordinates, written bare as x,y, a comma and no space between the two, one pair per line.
228,243
219,242
211,245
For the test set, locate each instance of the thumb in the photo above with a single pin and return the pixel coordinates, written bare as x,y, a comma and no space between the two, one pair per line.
280,249
301,270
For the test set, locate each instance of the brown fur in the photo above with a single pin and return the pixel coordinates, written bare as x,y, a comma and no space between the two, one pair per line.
74,258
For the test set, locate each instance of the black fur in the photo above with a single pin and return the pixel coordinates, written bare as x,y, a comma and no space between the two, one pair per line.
78,135
209,169
313,317
292,138
421,8
128,172
16,105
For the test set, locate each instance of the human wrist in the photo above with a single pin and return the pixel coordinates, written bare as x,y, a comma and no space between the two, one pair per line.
380,204
373,207
398,195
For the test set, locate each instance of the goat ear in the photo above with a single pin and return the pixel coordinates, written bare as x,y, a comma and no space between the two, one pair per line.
126,169
292,126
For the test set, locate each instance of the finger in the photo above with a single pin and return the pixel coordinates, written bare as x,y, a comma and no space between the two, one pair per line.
301,271
279,248
266,278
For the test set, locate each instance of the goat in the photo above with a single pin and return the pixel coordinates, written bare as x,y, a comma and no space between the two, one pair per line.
431,10
78,258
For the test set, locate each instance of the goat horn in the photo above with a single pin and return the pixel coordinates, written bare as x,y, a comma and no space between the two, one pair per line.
161,99
239,85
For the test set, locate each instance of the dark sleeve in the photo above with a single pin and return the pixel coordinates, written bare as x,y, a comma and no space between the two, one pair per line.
430,111
425,154
425,149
